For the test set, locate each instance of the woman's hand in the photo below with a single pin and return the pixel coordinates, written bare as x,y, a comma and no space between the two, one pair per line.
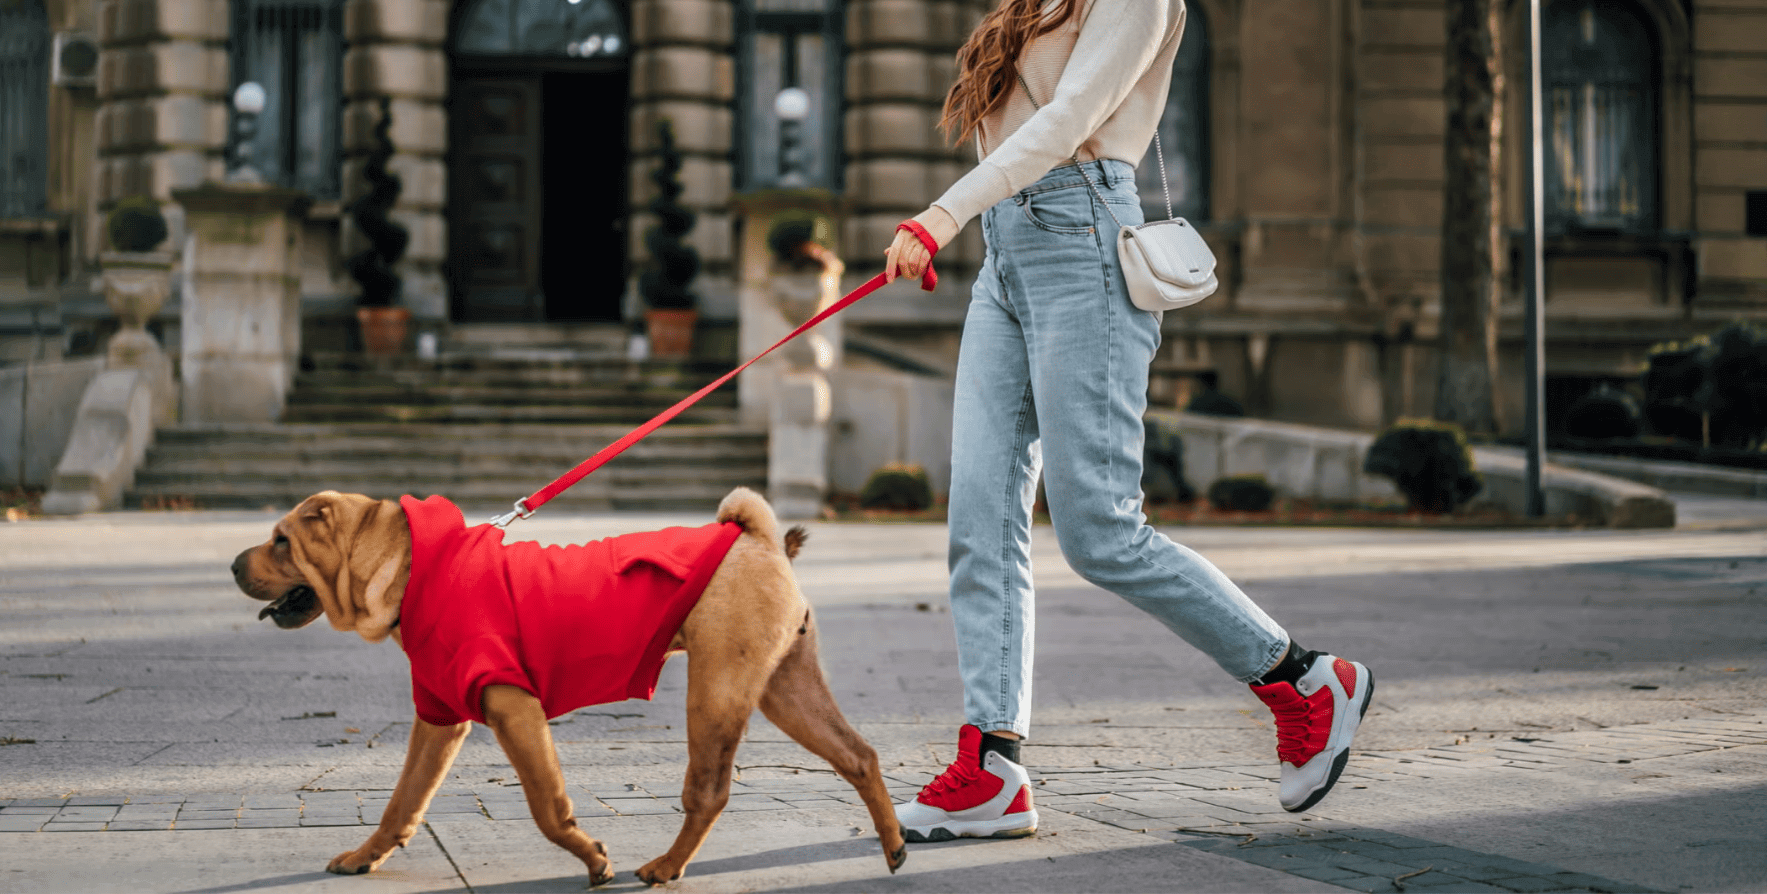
906,256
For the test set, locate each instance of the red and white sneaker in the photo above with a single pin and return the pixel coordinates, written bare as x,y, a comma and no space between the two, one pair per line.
978,796
1316,717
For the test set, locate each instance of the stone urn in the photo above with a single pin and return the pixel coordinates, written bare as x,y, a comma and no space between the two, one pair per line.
136,286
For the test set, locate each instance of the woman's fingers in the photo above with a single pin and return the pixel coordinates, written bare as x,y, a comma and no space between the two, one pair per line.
905,257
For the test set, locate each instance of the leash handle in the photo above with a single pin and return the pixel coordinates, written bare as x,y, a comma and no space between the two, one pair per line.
530,504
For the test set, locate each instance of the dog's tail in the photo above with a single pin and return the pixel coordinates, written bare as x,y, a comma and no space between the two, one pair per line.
749,509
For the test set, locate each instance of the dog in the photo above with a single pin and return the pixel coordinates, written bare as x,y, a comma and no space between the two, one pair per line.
403,570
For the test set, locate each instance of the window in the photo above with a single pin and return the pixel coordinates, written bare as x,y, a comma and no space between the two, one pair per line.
1184,132
581,29
789,43
294,50
24,108
1598,77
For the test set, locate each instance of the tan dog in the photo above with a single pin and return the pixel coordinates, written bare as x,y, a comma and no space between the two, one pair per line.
751,638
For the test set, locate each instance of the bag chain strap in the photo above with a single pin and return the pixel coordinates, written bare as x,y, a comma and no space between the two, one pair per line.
1159,153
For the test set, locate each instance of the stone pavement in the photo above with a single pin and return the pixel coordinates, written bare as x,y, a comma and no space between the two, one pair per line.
1556,711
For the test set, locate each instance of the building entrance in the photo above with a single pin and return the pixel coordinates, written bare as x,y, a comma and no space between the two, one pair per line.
537,161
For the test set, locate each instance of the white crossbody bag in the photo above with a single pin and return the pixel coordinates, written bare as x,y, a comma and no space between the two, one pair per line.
1165,262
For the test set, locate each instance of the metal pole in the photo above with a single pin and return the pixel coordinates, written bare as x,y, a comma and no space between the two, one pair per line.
1534,323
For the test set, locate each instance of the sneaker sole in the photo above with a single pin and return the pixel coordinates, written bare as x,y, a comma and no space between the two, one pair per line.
1343,759
974,829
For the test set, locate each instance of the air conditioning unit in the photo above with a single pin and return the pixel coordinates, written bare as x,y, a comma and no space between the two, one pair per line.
76,59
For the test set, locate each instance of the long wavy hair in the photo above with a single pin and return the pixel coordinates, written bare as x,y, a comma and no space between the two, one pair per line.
988,61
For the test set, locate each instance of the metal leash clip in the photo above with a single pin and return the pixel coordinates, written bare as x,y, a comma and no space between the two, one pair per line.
521,510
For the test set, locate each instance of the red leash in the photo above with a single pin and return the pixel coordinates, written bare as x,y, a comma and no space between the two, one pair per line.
528,505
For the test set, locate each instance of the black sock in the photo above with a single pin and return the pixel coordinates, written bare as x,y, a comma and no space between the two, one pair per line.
1295,662
1008,748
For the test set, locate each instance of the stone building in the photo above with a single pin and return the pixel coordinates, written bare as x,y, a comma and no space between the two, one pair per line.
1304,136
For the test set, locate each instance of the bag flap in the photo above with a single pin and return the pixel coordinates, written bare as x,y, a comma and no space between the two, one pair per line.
1174,251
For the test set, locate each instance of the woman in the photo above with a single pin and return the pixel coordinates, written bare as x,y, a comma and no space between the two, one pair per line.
1052,379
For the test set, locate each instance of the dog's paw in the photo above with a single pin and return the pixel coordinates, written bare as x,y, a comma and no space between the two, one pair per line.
659,872
357,862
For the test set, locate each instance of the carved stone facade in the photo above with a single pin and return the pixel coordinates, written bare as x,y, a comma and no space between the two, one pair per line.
1323,177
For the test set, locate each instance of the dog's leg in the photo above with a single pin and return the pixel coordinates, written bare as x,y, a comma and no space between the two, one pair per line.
725,677
799,703
427,760
520,724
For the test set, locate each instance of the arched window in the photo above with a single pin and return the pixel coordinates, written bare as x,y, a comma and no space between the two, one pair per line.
1599,74
1184,132
789,43
579,29
24,108
294,50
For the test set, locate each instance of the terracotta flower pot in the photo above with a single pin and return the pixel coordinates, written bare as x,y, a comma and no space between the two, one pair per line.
383,329
671,332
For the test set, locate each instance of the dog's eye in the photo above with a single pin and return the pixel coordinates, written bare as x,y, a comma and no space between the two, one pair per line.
280,541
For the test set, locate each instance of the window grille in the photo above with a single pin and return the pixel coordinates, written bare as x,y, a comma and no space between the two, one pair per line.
1599,77
294,50
789,43
580,29
24,109
1184,132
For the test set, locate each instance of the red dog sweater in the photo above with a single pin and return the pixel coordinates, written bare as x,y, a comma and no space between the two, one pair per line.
571,625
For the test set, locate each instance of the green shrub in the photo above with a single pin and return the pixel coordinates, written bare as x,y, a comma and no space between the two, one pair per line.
897,486
136,224
1430,463
1710,389
666,282
791,231
1242,493
1212,402
1604,413
1162,463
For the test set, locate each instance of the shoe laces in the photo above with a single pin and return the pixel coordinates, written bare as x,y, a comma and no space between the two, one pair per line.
1293,722
960,775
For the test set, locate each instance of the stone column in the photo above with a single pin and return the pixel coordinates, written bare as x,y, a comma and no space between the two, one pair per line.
162,89
136,285
395,50
242,311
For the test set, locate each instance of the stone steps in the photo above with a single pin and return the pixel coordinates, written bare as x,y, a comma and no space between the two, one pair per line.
481,430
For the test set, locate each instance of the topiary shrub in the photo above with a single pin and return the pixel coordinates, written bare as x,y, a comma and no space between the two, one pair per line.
666,282
1430,462
136,224
1242,493
897,486
372,267
1603,414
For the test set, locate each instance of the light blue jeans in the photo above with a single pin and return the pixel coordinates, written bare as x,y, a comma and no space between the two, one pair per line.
1052,379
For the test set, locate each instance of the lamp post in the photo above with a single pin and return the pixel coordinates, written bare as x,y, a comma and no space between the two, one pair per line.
1534,292
248,103
792,105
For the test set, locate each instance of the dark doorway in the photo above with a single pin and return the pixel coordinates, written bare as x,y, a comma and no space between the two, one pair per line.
583,224
537,167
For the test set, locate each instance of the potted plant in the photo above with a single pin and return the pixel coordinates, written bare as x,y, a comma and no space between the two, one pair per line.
384,323
670,313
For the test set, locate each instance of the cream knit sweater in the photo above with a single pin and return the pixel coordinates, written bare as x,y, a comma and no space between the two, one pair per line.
1101,79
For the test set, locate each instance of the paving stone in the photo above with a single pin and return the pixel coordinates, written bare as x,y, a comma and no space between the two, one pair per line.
1367,883
1528,884
22,822
266,822
138,825
328,820
98,801
37,802
73,827
187,825
255,802
455,818
31,811
1324,873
